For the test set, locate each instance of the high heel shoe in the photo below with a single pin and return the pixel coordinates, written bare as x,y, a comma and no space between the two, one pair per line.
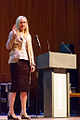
23,116
10,117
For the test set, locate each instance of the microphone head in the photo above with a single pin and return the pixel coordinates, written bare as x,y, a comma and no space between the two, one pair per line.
36,36
37,39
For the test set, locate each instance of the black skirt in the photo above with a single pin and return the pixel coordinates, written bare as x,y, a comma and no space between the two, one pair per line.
20,76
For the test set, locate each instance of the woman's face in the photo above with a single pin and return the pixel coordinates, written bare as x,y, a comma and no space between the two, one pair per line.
22,24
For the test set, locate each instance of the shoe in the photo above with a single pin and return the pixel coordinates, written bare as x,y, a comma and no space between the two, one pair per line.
10,117
23,116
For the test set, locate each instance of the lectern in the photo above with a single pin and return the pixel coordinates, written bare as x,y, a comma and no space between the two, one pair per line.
56,82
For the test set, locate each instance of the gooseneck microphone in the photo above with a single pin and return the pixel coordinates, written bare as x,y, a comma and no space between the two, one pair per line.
66,47
37,39
48,45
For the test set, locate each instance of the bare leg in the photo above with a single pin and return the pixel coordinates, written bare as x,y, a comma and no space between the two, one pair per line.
11,99
23,97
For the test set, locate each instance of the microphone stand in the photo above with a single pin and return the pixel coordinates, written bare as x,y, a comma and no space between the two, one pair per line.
38,91
37,77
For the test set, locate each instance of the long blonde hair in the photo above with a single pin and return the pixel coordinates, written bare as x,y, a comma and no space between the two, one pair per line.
26,31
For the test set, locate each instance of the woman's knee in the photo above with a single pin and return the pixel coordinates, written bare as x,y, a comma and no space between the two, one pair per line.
23,93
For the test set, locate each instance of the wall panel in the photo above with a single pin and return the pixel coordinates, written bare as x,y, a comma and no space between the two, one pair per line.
52,20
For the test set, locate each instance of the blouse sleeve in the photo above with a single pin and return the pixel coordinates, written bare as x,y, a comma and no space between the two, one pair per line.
10,41
30,51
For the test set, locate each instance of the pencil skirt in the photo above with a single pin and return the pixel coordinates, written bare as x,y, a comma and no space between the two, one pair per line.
20,76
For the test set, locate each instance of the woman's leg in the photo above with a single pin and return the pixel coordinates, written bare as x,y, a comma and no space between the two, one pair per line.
11,99
23,97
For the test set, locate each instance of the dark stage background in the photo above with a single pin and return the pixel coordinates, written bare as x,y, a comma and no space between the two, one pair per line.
52,20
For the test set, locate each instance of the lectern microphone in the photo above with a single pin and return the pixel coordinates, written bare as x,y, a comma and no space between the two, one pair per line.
48,45
66,47
37,39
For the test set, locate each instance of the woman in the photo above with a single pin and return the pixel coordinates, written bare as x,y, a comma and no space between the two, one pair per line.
21,60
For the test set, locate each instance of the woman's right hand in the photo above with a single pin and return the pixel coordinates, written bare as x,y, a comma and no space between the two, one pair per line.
14,31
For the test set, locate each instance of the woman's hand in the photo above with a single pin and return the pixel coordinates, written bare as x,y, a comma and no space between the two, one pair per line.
32,68
14,31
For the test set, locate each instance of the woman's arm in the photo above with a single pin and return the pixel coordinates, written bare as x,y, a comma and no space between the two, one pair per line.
30,53
10,40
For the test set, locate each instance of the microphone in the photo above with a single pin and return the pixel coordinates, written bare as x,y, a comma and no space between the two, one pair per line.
37,39
48,45
66,47
21,38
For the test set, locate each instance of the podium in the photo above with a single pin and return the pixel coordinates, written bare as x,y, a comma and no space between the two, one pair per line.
56,79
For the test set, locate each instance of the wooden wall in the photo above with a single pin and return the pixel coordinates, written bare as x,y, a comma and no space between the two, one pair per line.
52,20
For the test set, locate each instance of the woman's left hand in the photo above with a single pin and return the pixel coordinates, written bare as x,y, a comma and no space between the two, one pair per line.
32,68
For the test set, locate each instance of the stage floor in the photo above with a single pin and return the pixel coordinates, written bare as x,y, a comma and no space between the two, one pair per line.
42,118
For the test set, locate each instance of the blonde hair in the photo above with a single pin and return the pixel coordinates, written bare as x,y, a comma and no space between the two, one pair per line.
26,31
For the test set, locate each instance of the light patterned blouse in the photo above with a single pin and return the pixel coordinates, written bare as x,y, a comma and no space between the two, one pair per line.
21,48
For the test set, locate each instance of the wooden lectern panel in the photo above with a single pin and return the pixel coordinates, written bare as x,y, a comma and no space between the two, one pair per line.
56,60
